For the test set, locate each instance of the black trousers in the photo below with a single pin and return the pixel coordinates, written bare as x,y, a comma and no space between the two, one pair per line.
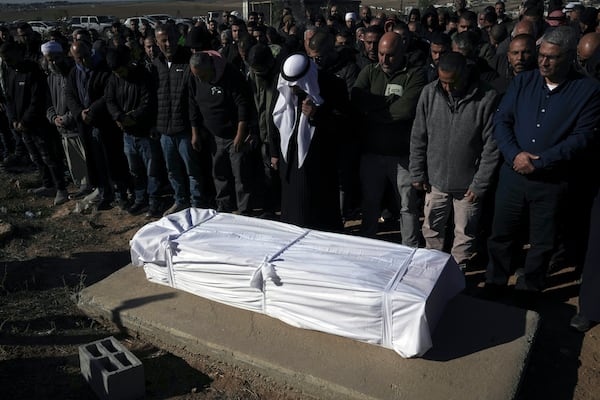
589,296
532,202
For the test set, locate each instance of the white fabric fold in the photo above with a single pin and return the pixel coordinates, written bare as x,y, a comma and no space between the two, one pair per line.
284,113
369,290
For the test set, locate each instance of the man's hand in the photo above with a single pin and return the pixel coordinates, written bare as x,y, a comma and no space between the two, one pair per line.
154,133
128,121
422,186
85,116
275,163
522,163
19,127
309,108
58,121
196,140
240,136
470,196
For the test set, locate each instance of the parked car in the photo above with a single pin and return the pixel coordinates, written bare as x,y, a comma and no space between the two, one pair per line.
90,22
151,21
42,27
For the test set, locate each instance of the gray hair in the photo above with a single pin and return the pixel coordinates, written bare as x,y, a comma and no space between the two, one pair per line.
564,37
226,34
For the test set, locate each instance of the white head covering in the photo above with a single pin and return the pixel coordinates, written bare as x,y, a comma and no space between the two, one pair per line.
51,47
297,70
350,16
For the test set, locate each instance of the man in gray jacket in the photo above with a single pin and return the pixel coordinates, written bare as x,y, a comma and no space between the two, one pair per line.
452,153
59,115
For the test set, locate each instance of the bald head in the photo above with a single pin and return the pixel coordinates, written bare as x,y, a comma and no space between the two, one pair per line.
524,28
390,40
391,52
587,46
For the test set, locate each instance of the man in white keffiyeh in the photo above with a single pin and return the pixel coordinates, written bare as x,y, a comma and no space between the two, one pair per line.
307,122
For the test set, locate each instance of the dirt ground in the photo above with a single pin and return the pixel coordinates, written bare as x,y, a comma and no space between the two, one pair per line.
49,253
52,252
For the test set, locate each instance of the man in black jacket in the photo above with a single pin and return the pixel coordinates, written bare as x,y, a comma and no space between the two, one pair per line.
107,165
184,163
131,104
26,88
220,104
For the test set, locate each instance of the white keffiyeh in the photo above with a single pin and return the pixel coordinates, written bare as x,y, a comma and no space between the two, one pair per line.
284,114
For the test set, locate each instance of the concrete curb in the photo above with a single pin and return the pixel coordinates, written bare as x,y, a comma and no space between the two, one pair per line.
480,348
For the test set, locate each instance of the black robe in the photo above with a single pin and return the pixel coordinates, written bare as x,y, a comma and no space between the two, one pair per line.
310,194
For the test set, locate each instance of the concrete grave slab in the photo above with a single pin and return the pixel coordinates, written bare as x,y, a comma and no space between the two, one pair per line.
480,349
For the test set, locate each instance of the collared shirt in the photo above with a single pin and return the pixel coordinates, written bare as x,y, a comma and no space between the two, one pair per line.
553,125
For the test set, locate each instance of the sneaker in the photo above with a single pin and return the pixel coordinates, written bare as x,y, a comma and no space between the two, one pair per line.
43,191
137,208
175,208
62,196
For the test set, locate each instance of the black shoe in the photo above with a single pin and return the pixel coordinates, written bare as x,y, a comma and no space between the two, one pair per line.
268,215
104,205
124,204
81,193
581,323
137,208
154,212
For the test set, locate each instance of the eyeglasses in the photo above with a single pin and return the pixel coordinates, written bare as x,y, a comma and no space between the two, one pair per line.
549,57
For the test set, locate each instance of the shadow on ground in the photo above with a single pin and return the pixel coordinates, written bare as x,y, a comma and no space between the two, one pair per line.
80,269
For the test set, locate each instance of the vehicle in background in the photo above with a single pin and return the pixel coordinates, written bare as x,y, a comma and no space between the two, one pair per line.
151,21
42,27
91,22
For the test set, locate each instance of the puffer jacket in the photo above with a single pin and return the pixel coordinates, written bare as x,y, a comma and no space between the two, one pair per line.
172,93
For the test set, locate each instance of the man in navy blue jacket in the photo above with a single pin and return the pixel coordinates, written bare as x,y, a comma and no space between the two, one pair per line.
546,118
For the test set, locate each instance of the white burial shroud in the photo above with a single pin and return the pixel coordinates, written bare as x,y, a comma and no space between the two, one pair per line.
369,290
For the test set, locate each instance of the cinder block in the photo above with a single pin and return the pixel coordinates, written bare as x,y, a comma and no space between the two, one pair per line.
112,371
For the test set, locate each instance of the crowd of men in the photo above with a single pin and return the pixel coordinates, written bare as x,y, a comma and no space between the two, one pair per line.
477,132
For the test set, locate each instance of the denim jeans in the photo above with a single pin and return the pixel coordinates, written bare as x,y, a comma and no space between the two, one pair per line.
144,156
184,169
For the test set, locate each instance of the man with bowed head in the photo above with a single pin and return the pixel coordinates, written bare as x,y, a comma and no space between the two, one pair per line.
385,96
454,117
307,119
545,120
